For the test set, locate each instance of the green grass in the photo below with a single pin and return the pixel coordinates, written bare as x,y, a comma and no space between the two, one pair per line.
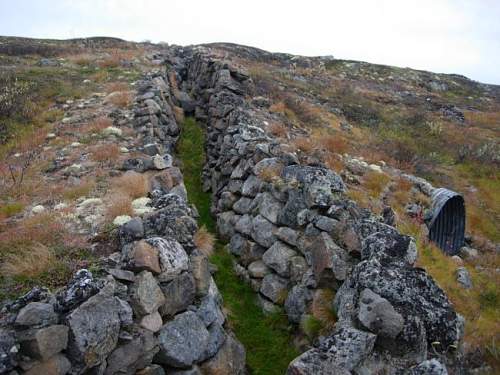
267,338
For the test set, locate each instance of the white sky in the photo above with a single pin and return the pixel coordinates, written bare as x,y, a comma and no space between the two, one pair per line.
450,36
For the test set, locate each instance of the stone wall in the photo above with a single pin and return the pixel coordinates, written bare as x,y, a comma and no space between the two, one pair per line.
153,307
294,232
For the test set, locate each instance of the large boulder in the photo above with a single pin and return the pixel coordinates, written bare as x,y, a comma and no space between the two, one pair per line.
94,328
183,340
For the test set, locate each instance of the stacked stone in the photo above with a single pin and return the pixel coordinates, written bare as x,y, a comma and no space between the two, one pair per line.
294,232
158,309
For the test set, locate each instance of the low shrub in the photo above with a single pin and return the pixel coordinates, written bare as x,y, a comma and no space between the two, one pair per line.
204,241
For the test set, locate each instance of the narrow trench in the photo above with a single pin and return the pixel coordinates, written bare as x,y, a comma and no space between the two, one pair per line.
267,339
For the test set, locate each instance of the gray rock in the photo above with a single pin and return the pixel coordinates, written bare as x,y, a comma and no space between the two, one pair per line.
225,224
315,362
278,257
179,294
36,314
287,235
244,225
195,370
237,244
294,204
328,261
130,231
56,365
210,312
296,302
252,186
325,223
320,185
8,350
145,294
263,231
152,322
243,205
162,162
388,246
468,253
79,289
273,164
226,201
94,328
258,269
378,315
348,347
269,207
135,354
298,267
274,287
122,275
215,341
429,367
183,340
43,343
155,370
463,277
201,274
229,360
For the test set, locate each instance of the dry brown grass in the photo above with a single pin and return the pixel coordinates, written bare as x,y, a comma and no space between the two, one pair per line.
278,130
483,119
321,308
278,107
334,162
30,262
334,143
204,241
132,184
375,182
117,86
122,99
271,173
106,153
82,59
119,204
96,125
303,144
178,114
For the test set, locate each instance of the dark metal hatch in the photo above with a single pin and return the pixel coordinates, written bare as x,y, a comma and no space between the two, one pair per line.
447,222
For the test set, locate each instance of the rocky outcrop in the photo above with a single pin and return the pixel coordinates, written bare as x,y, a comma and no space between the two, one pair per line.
153,306
293,231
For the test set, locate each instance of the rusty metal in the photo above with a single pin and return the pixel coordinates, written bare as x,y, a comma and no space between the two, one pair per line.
447,224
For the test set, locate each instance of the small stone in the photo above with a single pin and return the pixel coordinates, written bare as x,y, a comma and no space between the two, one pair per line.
140,206
278,257
463,277
111,130
162,162
274,287
75,144
378,315
122,275
458,261
468,253
37,209
50,136
120,220
60,206
229,360
124,150
258,269
152,322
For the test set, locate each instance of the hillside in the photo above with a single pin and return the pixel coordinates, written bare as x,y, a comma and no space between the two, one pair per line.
315,174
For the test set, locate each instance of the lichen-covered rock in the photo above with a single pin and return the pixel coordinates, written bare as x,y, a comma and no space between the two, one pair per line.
429,367
388,246
278,258
79,289
258,269
173,257
183,340
145,294
269,207
94,328
315,362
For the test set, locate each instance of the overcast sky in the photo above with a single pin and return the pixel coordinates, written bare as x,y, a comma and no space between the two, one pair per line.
450,36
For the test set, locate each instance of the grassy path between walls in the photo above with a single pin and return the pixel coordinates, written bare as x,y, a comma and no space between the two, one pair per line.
266,338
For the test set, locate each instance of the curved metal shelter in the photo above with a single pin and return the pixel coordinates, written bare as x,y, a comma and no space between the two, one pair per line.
447,224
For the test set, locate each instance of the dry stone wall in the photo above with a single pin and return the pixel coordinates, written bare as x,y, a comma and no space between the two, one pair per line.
153,307
294,232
